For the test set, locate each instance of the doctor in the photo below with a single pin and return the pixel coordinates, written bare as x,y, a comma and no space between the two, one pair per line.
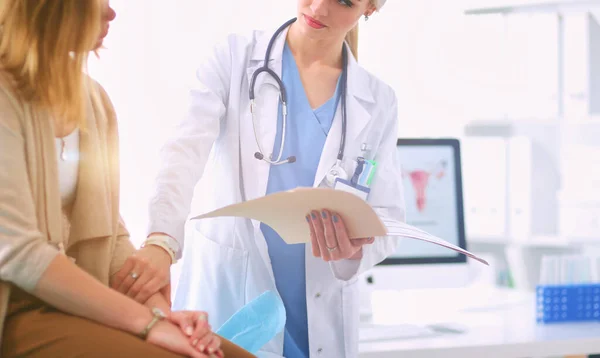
247,143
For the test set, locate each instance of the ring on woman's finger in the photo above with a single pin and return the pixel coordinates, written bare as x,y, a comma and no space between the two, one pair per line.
134,275
331,249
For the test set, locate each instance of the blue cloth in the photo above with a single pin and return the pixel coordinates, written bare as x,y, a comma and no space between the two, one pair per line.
255,324
307,130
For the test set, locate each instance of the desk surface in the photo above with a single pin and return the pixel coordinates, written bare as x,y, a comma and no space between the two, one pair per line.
508,331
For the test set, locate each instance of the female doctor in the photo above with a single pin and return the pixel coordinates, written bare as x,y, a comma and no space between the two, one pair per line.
249,144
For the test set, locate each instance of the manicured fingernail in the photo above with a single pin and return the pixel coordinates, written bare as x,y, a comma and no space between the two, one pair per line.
335,218
202,317
201,348
211,350
324,214
195,342
313,216
189,331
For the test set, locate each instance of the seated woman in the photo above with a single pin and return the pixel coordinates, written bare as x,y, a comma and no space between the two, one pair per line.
61,237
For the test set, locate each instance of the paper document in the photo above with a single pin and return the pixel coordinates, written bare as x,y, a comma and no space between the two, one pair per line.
285,212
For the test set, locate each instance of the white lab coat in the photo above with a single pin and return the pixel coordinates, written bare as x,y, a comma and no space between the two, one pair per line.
226,264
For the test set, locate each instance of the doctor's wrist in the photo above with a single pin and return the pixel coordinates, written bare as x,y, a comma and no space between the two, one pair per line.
168,244
165,254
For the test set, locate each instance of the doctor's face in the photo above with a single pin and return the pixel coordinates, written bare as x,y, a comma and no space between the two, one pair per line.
322,19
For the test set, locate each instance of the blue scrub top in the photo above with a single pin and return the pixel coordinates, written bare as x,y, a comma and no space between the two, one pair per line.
306,133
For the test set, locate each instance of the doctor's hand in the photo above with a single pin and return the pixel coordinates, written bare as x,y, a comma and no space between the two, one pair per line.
145,273
330,239
195,325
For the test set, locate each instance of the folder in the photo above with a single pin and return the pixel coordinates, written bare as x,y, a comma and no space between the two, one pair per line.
285,212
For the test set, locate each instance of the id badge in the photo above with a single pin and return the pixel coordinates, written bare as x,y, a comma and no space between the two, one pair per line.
358,190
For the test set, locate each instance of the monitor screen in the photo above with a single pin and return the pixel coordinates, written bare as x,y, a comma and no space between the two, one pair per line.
431,175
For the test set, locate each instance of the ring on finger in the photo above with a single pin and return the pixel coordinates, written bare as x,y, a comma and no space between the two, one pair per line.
134,275
331,249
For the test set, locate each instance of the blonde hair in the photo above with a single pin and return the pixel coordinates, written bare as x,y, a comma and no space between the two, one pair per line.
352,40
44,46
352,35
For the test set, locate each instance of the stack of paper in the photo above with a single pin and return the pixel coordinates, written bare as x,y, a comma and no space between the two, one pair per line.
285,212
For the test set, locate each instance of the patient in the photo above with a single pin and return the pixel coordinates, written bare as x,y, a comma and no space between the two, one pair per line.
61,236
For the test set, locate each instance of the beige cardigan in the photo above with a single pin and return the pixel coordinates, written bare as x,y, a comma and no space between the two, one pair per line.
32,226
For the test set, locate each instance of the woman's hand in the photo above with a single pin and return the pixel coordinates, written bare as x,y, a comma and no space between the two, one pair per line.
168,336
330,239
144,273
195,325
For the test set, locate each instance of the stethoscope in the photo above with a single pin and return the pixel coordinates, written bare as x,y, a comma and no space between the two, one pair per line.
336,171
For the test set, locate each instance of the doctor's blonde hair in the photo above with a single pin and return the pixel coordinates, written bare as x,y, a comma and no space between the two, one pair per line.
352,40
44,47
352,37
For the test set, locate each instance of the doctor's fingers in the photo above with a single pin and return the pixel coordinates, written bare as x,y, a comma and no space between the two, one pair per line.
313,238
150,288
122,274
331,239
346,249
317,223
131,275
138,285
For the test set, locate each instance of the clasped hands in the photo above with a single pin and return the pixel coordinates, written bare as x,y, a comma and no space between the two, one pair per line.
146,273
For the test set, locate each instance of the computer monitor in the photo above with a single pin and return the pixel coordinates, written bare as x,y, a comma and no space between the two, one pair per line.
432,178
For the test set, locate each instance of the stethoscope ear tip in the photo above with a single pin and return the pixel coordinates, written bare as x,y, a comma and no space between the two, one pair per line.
291,160
258,156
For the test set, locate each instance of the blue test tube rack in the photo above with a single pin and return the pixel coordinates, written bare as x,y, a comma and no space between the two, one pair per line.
567,303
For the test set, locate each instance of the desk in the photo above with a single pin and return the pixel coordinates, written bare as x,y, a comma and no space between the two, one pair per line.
502,332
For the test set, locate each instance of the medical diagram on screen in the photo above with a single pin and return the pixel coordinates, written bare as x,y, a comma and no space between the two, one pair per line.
430,197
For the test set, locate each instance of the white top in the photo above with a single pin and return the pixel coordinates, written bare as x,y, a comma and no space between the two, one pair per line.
67,150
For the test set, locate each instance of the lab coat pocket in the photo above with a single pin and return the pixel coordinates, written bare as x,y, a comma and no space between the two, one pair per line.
213,279
350,297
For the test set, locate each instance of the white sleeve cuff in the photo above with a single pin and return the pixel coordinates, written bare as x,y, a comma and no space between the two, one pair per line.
167,240
345,270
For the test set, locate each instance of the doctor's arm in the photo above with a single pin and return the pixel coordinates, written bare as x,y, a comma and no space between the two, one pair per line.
182,162
387,199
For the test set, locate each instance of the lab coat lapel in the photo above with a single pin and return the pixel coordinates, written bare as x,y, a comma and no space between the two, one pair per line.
358,98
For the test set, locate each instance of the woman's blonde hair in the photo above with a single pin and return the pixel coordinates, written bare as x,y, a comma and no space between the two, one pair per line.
44,46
